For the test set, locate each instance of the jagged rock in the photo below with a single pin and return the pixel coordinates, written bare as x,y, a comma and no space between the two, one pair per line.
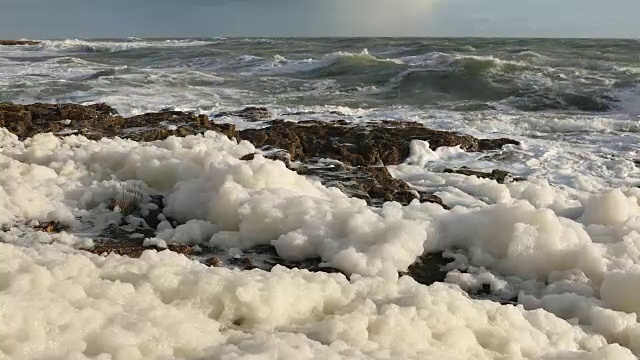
371,183
19,42
97,121
132,247
227,129
273,155
50,227
387,142
15,118
250,113
28,120
167,117
498,175
427,268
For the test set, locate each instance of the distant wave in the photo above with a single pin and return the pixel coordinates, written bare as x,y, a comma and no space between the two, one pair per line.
88,46
337,62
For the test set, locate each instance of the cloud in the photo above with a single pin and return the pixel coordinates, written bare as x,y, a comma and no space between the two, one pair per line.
116,18
326,17
388,17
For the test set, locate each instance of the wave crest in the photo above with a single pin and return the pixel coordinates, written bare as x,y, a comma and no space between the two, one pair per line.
85,46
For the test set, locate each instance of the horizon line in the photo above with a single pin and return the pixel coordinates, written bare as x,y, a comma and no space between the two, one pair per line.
336,37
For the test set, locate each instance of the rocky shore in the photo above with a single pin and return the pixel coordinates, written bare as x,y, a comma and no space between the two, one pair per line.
358,155
18,42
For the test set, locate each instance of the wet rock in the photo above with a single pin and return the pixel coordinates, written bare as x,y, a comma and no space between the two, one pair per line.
28,120
50,227
244,263
426,269
273,155
387,142
168,118
213,261
227,129
501,176
19,42
97,121
150,216
431,198
373,184
250,113
115,232
132,248
15,118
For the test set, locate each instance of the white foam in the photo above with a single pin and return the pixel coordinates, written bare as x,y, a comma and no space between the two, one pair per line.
163,305
528,238
256,202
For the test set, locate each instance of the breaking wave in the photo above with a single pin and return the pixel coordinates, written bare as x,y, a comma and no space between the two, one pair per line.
437,77
337,63
85,46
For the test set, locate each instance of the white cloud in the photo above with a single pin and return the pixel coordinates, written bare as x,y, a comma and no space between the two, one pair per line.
385,17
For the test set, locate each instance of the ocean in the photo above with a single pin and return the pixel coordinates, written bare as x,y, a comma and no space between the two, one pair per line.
543,265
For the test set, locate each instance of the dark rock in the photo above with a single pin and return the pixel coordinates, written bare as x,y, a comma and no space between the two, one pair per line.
425,197
102,108
386,142
244,263
96,121
485,289
213,262
274,155
371,183
426,269
151,216
51,227
99,120
132,248
250,113
227,129
498,175
19,42
248,157
167,117
15,118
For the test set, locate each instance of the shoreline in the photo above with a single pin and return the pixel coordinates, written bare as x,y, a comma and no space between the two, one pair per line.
339,155
19,42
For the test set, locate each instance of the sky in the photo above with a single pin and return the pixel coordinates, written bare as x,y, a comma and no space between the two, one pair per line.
46,19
